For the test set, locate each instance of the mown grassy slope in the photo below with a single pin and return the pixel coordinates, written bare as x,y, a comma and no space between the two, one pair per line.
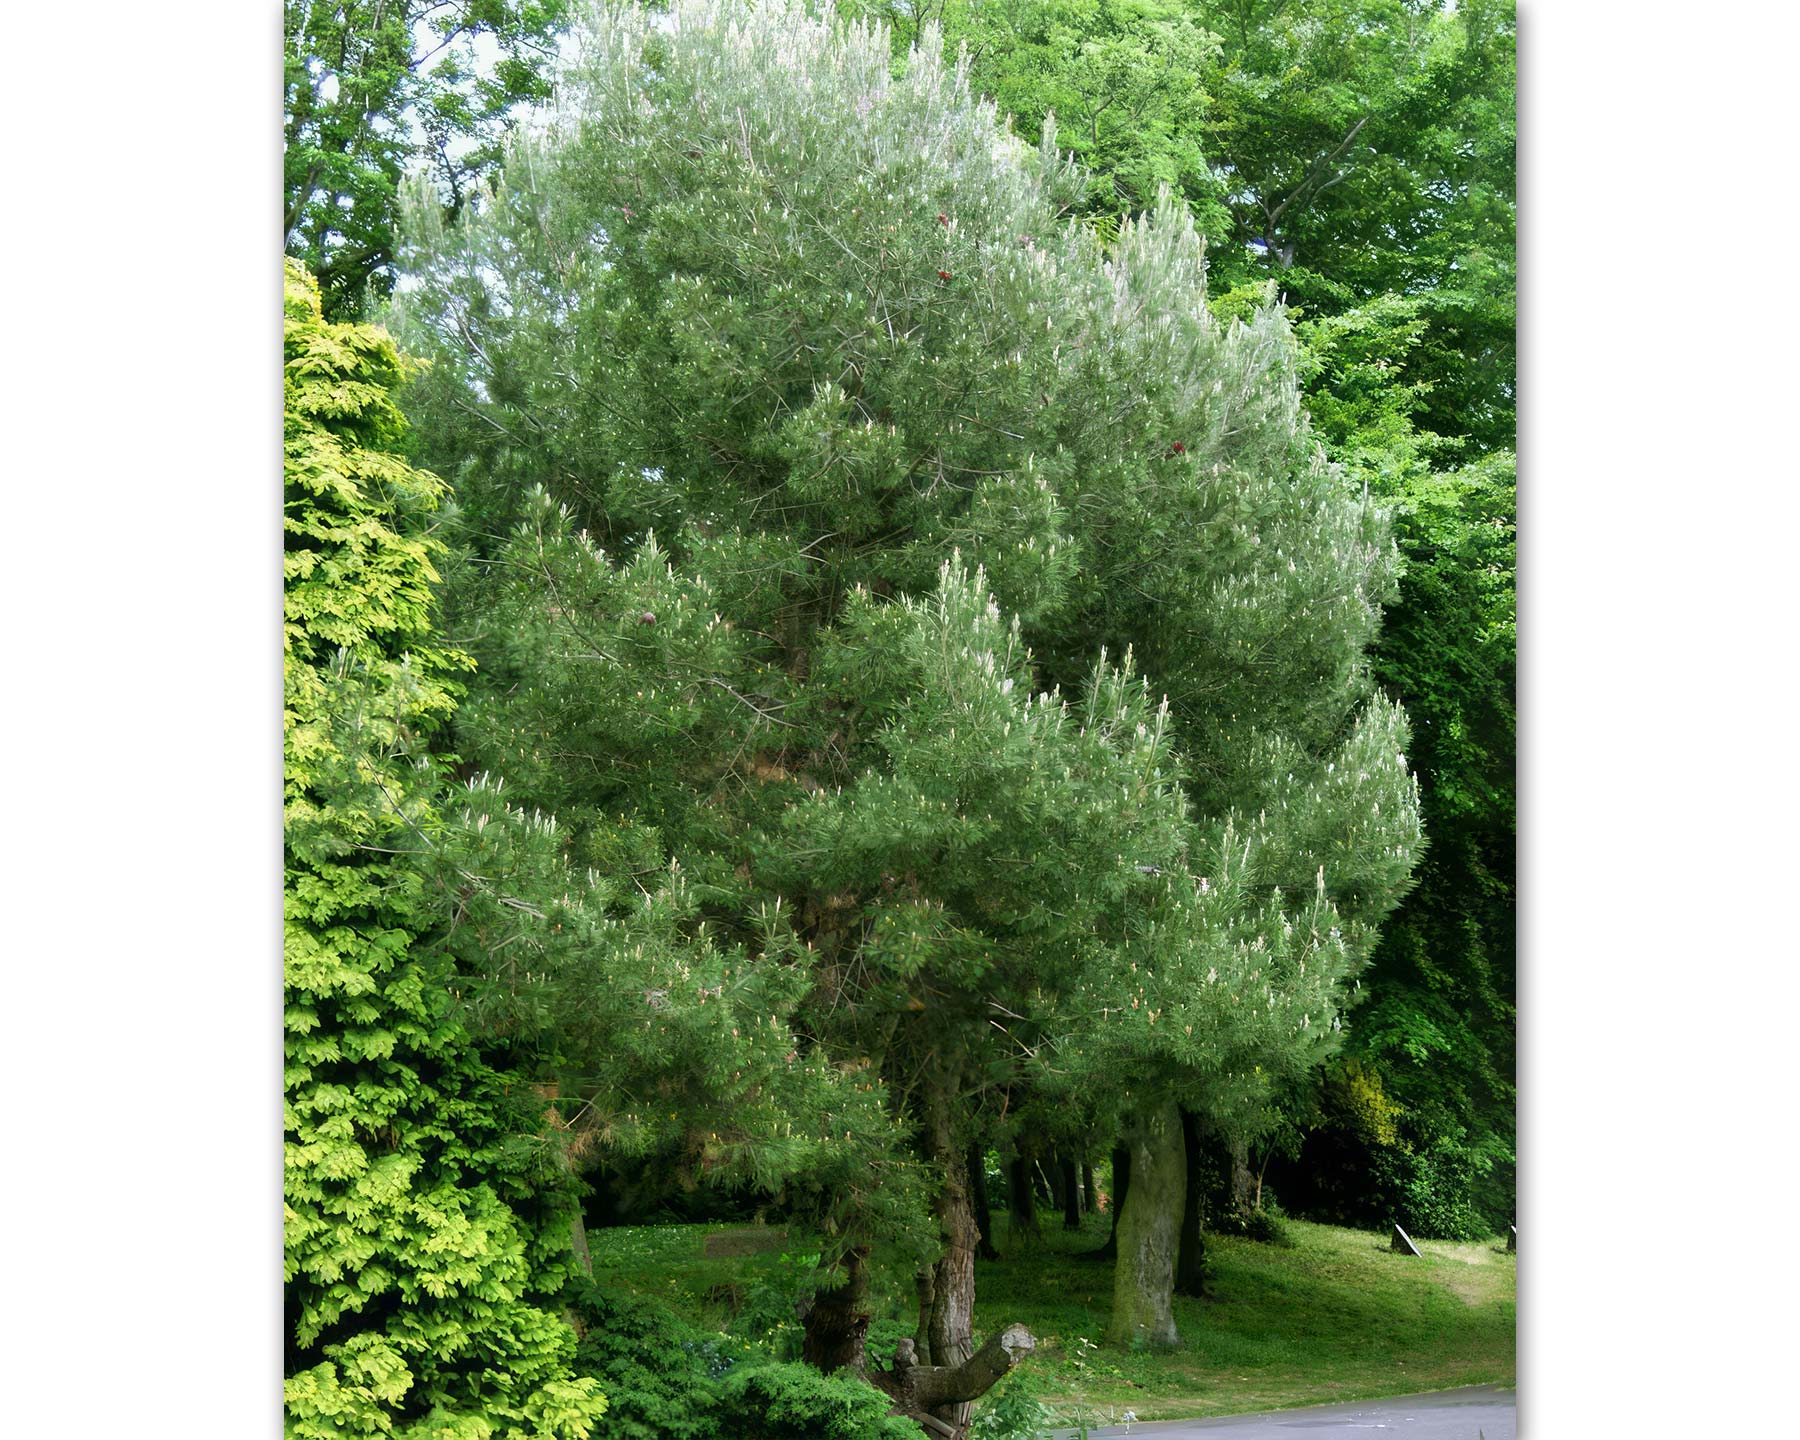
1333,1315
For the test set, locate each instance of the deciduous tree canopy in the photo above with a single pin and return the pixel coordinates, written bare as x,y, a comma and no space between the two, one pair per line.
373,87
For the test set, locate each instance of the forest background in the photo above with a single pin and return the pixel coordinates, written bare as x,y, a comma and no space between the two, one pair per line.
1703,661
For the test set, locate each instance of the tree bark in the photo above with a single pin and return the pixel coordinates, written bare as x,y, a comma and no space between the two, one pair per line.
1090,1197
836,1324
953,1277
1071,1188
936,1395
1149,1231
1190,1266
925,1283
1053,1175
1243,1183
984,1216
951,1328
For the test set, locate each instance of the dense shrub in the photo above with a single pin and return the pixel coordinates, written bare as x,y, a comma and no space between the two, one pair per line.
1436,1191
1370,1161
778,1401
667,1380
1263,1226
658,1372
1445,1188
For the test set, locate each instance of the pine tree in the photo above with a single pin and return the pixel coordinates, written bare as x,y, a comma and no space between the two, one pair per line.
834,517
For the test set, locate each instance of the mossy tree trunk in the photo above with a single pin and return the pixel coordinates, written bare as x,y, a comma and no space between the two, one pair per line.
925,1283
951,1327
1150,1230
565,1160
578,1242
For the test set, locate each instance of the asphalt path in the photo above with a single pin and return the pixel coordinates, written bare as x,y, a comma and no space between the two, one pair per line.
1477,1412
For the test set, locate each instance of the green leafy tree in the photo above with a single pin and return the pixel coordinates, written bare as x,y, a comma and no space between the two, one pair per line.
375,87
1362,157
832,514
424,1224
1440,1020
1437,1027
1368,149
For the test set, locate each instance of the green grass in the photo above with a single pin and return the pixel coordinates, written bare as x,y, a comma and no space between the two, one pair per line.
1335,1315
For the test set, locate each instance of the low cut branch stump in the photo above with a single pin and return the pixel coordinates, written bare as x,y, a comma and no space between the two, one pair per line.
933,1395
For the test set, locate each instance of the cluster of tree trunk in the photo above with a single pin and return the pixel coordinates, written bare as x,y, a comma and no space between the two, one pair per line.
1157,1245
1060,1180
938,1374
940,1397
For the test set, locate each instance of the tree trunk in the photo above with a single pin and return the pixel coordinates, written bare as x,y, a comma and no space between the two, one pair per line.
1053,1174
1090,1197
1149,1231
925,1283
952,1325
836,1323
953,1277
1121,1161
1243,1183
940,1397
1071,1193
984,1216
1020,1202
1190,1267
1040,1181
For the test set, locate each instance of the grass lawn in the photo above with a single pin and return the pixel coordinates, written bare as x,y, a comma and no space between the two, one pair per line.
1333,1316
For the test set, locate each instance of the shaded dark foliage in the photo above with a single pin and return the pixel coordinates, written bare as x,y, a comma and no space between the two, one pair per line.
668,1380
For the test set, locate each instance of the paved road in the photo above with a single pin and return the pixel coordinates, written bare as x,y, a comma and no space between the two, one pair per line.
1478,1412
